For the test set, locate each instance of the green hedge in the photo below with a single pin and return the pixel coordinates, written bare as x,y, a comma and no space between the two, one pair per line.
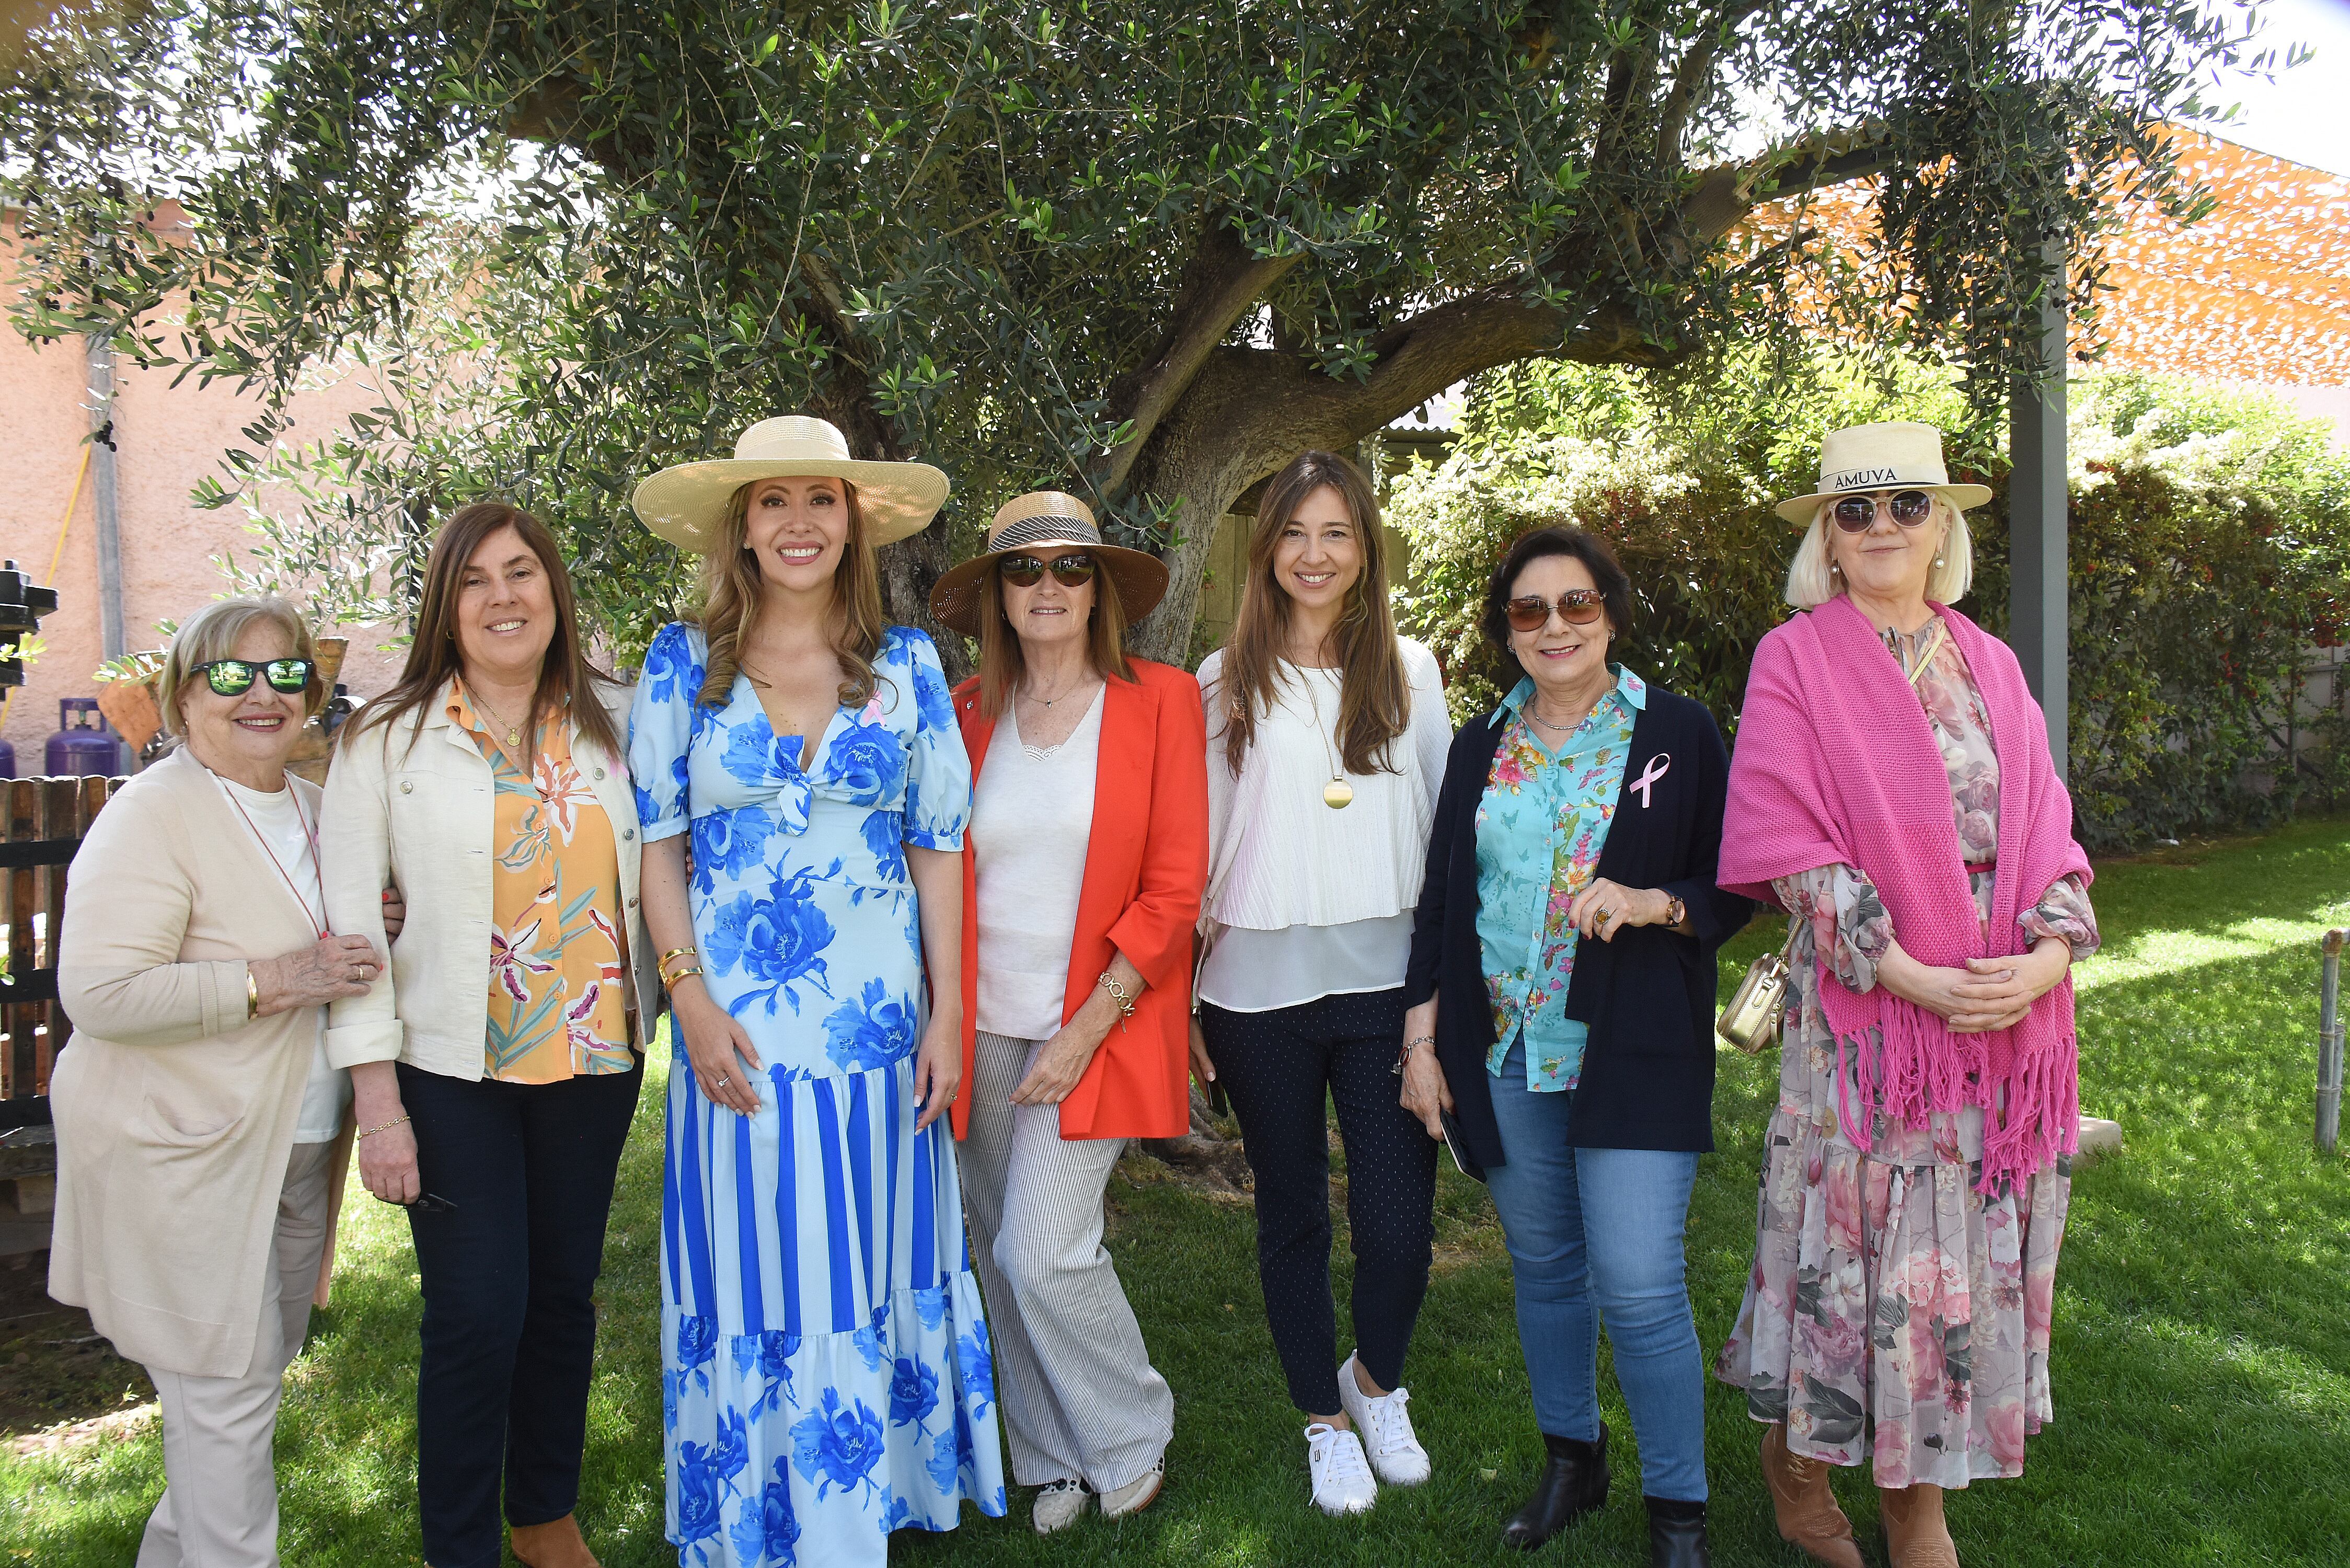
2210,548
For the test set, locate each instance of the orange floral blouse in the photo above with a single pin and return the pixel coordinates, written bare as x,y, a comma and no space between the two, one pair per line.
558,986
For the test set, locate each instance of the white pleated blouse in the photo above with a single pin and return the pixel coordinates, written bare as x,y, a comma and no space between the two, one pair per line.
1316,901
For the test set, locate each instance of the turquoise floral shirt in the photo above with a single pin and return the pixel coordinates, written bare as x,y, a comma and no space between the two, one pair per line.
1540,828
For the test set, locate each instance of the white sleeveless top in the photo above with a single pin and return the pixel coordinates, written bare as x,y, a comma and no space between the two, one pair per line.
1031,815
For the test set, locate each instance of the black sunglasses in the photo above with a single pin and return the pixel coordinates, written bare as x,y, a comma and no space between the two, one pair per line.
1576,607
1074,570
1858,513
234,676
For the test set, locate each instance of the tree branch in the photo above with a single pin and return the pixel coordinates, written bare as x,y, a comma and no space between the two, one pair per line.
1223,280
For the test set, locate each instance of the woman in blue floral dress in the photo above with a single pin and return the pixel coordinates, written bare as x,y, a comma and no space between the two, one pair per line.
827,1377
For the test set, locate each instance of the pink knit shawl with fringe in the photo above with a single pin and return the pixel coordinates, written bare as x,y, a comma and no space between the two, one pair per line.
1835,763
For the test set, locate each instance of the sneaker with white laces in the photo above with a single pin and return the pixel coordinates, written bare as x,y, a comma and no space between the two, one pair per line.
1060,1504
1396,1456
1342,1481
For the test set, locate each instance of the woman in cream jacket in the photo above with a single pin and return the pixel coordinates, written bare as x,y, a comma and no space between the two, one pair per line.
202,1133
497,1066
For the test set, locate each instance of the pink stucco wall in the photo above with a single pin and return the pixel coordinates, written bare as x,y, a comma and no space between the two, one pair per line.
167,438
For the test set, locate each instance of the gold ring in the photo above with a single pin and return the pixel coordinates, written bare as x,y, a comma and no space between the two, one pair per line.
1606,916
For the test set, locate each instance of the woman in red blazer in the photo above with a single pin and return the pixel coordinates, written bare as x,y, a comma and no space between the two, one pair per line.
1088,851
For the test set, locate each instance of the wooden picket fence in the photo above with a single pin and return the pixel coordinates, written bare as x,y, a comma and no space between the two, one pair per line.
42,821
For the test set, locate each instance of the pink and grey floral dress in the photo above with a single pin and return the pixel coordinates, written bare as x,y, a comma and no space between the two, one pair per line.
1894,1312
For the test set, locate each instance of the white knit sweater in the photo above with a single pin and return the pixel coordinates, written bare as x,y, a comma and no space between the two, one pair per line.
1278,856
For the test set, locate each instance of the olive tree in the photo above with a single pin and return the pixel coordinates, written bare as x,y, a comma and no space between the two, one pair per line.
1143,251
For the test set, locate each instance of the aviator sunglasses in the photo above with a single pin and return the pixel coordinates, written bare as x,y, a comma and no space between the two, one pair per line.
234,676
1858,513
1576,607
1074,570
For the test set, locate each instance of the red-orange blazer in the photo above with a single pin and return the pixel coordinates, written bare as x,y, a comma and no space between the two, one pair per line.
1145,867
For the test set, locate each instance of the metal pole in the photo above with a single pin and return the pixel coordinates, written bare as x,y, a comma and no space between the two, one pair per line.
102,498
2039,614
2329,1041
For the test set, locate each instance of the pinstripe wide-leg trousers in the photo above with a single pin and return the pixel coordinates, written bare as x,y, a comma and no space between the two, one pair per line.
1080,1399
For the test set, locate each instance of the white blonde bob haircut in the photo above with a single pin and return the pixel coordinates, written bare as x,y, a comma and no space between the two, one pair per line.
1811,583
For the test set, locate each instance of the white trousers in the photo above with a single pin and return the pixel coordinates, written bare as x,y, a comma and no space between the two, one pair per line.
219,1507
1079,1396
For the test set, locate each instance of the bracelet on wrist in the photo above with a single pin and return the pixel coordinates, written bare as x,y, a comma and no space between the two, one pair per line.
1117,993
382,1126
252,995
671,980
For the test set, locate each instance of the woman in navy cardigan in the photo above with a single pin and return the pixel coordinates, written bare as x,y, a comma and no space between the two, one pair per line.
1578,1072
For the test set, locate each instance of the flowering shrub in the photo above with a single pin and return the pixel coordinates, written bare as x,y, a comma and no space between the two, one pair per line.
2209,538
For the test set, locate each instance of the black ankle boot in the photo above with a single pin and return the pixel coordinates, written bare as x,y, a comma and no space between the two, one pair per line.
1573,1482
1677,1534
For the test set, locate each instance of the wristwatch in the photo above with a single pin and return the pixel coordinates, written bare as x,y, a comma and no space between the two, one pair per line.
1675,912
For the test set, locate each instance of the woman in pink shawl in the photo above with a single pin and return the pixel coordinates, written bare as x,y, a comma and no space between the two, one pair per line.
1892,788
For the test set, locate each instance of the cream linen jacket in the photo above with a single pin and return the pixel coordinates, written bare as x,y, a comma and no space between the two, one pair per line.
174,1115
422,817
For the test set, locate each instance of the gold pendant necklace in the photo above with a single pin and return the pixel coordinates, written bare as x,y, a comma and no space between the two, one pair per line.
1337,793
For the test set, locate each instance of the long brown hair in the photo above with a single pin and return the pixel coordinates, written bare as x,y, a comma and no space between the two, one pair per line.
434,656
730,585
1002,663
1374,697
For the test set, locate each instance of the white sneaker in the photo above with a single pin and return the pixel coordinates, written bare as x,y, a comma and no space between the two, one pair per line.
1060,1504
1395,1452
1342,1481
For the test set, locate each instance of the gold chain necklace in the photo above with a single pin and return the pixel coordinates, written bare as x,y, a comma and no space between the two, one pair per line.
514,731
1337,794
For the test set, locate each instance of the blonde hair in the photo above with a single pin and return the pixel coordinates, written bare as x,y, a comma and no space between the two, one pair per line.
213,632
731,587
1810,582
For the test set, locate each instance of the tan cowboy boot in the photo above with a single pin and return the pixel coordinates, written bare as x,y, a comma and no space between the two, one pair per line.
1809,1519
1915,1534
555,1545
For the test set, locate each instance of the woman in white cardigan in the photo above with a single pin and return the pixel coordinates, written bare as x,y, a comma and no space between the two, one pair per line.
1327,742
496,1065
202,1133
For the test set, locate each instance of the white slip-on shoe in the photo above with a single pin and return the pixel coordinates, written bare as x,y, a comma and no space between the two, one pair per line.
1060,1504
1135,1495
1396,1456
1342,1481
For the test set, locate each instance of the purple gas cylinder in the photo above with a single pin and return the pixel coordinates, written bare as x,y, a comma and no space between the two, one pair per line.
83,745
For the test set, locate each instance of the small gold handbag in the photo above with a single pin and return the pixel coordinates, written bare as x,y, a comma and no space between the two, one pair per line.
1750,1022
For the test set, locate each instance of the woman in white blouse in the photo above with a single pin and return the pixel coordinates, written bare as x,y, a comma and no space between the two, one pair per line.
1326,741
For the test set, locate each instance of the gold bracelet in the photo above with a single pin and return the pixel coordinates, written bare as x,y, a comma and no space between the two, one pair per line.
678,952
387,1127
1108,983
252,995
671,980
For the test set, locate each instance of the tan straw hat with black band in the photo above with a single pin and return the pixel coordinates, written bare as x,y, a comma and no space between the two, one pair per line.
1900,454
686,502
1041,523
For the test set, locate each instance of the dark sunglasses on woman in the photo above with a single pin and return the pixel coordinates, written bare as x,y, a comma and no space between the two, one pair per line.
234,676
1576,607
1074,570
1858,513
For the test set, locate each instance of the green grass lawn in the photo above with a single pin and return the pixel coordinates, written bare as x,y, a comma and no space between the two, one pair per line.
2201,1355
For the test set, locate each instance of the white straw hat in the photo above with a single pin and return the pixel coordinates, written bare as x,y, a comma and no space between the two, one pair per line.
1897,455
684,503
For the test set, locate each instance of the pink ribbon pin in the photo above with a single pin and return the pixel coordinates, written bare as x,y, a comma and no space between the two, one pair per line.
1650,775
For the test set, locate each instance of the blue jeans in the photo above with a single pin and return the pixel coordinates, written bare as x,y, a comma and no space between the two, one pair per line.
1626,1266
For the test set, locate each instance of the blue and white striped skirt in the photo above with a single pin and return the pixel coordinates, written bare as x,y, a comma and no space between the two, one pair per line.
827,1375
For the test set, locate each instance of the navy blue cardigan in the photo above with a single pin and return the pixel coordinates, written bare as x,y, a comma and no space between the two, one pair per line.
1647,996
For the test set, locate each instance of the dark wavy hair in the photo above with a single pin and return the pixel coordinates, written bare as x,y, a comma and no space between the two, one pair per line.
1607,575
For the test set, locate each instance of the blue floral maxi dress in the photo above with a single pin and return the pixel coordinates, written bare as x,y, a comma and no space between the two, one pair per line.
827,1377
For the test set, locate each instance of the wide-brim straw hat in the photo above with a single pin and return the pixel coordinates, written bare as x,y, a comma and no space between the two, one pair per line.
1900,454
686,502
1034,524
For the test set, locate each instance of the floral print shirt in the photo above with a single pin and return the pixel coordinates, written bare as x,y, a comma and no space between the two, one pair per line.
1540,828
559,990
